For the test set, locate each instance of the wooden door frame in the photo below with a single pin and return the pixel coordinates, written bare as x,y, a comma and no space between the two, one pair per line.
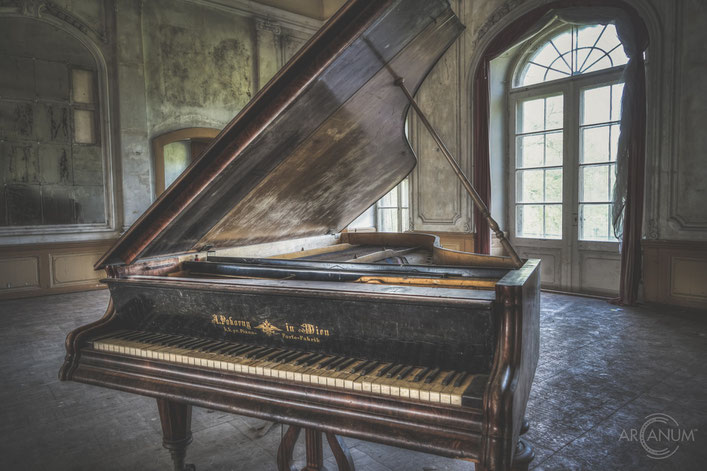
159,142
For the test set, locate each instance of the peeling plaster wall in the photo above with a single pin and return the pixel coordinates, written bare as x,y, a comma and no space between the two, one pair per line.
198,65
182,65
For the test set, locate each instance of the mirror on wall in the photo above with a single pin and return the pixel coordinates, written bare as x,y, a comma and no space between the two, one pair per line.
175,150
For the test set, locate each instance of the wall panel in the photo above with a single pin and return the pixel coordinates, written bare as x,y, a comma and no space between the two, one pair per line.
675,272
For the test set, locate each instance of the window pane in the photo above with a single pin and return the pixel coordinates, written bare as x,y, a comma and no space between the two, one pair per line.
594,183
530,151
553,185
364,220
614,141
553,112
529,222
84,132
596,105
553,221
529,186
387,220
553,148
176,158
594,222
404,193
532,115
595,144
405,215
82,86
617,91
390,199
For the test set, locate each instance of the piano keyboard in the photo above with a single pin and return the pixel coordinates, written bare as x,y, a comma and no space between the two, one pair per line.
368,376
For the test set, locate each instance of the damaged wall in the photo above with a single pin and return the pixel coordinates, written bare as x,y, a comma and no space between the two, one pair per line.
186,65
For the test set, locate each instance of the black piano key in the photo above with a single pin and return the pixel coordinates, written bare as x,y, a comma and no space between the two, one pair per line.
156,337
277,358
432,376
384,370
206,345
215,348
132,335
252,353
312,360
236,349
370,366
276,352
360,366
291,356
336,363
394,371
405,372
263,353
225,347
247,350
304,359
327,362
419,376
193,343
346,364
449,378
460,380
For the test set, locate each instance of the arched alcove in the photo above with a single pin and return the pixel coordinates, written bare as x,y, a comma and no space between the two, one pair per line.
54,141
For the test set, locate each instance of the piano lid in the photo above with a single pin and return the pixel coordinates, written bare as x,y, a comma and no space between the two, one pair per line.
317,146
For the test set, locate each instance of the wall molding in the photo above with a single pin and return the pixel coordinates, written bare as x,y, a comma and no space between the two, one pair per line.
41,269
250,9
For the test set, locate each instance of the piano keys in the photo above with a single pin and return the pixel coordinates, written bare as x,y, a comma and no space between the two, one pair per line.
240,290
407,382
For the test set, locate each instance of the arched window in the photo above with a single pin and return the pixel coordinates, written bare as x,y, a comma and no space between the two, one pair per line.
573,51
565,109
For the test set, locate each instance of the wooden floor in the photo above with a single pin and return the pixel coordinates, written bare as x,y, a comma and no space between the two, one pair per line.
602,370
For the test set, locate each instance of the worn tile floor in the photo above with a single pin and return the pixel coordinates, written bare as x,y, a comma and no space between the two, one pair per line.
602,370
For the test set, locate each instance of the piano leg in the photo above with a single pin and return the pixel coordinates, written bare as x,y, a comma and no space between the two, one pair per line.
341,452
314,448
315,451
287,448
176,430
524,453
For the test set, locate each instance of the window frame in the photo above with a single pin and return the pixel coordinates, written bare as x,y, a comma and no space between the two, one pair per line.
570,88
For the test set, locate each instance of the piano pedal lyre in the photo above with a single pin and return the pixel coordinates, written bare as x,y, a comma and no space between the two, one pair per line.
314,449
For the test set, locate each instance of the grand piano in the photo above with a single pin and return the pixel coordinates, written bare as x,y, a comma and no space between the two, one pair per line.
239,289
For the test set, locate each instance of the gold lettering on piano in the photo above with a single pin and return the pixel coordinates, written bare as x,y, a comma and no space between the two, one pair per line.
220,319
307,329
305,332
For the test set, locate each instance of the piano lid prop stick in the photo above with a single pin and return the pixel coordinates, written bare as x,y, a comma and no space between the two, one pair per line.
463,178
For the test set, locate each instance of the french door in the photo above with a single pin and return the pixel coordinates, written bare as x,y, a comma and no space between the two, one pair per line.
563,147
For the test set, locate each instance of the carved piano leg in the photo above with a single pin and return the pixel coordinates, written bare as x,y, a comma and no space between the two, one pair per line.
315,451
287,448
176,430
524,453
341,452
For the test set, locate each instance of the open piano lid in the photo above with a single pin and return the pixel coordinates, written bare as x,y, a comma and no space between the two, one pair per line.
317,146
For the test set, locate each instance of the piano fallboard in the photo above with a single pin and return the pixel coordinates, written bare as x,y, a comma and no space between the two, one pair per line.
448,328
